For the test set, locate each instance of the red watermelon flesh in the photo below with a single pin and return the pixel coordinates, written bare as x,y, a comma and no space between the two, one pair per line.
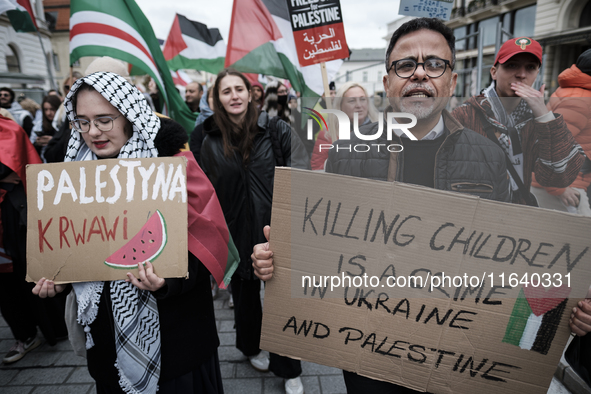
146,245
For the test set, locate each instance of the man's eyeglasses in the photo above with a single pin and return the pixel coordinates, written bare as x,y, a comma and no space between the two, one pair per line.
434,67
4,94
103,123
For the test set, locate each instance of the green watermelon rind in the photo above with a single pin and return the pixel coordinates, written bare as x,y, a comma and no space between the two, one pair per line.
151,258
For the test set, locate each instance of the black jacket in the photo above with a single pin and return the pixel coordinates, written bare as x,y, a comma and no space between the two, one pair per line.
466,162
185,306
245,191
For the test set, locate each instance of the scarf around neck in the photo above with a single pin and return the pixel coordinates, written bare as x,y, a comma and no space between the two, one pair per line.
135,312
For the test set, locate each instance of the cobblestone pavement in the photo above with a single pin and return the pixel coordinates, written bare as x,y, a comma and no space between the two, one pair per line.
56,369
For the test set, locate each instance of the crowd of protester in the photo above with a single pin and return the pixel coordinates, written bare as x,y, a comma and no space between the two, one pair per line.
524,150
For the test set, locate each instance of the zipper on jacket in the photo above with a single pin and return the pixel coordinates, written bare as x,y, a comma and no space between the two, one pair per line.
469,187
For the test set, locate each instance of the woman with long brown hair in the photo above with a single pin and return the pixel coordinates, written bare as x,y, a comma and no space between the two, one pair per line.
239,154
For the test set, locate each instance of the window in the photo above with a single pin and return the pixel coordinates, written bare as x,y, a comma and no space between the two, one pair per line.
489,27
56,62
12,61
585,19
459,33
525,22
508,22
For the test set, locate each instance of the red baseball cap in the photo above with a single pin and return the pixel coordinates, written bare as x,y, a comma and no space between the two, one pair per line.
518,45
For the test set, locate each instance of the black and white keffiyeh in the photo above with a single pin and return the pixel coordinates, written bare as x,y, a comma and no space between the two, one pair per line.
135,312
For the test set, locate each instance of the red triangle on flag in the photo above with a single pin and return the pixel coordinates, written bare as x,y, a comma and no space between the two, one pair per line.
252,26
174,43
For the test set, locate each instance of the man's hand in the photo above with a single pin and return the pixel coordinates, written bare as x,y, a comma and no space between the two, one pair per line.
148,280
46,288
580,318
11,178
570,197
534,98
262,258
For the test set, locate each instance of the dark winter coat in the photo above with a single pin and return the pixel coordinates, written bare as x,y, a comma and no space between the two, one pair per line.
245,191
185,306
466,162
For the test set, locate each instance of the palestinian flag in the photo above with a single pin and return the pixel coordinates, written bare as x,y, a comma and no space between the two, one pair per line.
261,42
208,237
191,45
118,28
180,78
20,14
535,318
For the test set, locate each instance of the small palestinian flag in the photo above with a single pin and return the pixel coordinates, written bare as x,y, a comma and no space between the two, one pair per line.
535,318
191,45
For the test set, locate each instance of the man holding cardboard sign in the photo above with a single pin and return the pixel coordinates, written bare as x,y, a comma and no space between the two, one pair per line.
420,53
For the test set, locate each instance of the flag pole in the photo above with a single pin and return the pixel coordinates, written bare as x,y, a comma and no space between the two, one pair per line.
49,73
327,98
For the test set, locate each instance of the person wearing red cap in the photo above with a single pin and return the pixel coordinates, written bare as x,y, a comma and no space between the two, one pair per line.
513,114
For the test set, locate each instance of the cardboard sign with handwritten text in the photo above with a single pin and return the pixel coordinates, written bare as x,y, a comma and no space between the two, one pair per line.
318,30
433,290
96,220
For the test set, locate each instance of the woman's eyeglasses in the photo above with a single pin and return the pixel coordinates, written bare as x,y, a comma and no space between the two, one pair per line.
103,123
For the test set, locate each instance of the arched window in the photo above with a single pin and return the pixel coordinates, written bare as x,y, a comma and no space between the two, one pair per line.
585,19
12,61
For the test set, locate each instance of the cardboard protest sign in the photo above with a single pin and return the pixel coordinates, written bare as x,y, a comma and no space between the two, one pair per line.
318,30
96,220
426,8
437,291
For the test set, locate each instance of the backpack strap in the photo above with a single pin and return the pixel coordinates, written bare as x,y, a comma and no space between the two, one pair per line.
275,143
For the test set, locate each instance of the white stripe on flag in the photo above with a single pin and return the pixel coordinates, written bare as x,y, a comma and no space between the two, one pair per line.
197,49
531,330
81,17
8,5
108,41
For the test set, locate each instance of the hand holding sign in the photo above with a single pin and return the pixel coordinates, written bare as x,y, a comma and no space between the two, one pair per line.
46,288
147,280
580,318
262,258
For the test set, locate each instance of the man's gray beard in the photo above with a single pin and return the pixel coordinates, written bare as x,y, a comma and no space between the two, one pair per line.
420,110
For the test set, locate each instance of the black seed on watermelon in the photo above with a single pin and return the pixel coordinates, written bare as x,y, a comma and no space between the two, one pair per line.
155,229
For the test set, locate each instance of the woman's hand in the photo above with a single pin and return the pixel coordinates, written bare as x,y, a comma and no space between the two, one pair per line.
43,140
46,288
11,178
148,280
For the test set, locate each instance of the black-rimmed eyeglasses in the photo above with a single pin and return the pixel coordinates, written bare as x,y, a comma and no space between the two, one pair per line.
103,123
434,67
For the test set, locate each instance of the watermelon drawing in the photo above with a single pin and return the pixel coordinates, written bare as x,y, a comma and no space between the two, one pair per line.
146,245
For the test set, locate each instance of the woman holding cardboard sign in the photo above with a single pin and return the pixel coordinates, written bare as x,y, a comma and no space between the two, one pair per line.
239,154
145,333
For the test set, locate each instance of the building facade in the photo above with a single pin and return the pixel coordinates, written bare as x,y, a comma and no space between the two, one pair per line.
563,28
23,62
366,67
58,15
